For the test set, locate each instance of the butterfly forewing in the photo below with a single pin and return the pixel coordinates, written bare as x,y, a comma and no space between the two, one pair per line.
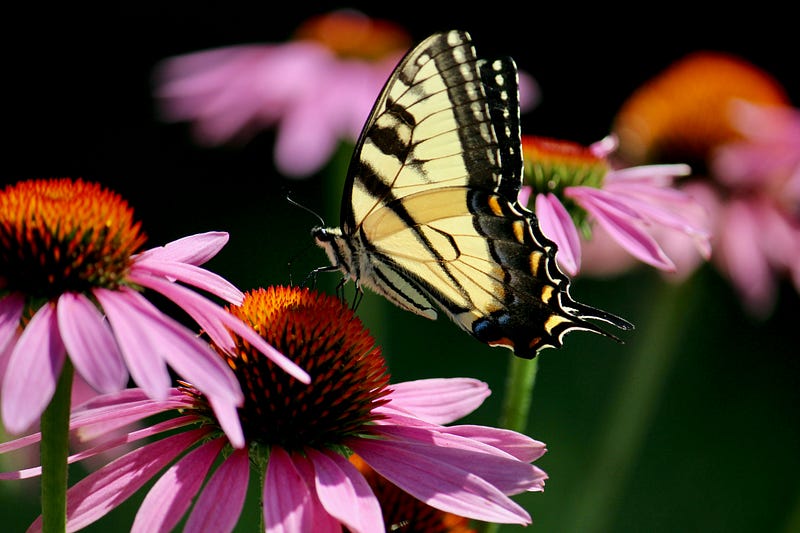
430,213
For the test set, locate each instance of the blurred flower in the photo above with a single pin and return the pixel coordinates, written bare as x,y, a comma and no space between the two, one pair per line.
682,114
316,89
735,122
71,283
299,437
576,190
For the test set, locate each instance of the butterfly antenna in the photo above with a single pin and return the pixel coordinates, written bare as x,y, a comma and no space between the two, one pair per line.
305,208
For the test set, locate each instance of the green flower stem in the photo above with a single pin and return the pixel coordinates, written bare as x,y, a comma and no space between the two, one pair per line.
520,379
636,400
54,453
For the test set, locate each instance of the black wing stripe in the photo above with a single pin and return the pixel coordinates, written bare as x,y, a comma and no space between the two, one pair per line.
501,83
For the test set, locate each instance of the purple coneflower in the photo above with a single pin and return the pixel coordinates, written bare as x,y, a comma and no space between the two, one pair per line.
757,203
316,89
299,437
735,123
71,284
577,190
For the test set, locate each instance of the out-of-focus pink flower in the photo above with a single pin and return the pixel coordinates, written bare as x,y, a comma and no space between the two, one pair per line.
735,122
316,90
757,203
300,437
578,193
72,285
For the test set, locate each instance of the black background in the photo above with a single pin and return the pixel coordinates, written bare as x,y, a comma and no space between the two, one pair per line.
720,452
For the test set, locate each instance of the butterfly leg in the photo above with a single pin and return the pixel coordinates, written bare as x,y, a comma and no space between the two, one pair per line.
357,297
313,274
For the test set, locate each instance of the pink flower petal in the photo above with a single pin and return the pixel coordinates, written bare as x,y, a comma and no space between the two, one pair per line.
287,499
170,497
90,343
33,370
345,493
654,175
91,422
605,146
193,249
557,225
218,508
22,442
491,463
214,320
647,202
227,415
191,275
515,444
192,358
11,307
322,519
304,143
530,93
524,196
620,223
439,400
100,492
446,486
128,438
160,337
747,269
137,339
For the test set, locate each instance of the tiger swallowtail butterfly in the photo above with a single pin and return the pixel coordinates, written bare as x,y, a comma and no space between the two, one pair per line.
430,212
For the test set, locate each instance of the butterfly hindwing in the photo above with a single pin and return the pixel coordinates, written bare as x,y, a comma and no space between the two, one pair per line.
430,214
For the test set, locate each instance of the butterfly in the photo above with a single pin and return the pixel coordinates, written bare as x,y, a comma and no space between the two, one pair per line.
429,214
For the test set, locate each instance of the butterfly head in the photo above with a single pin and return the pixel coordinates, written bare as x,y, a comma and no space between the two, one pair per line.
336,247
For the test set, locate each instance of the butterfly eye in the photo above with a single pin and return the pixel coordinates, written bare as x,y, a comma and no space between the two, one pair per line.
321,235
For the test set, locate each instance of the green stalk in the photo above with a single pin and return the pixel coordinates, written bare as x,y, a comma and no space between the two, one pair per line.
54,452
636,400
520,379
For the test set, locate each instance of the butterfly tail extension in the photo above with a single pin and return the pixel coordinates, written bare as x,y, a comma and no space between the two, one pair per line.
582,312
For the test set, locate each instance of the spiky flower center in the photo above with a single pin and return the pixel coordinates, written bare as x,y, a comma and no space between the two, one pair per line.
551,165
59,235
683,113
325,338
352,34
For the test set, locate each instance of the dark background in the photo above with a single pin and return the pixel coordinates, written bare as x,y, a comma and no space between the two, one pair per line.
719,450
